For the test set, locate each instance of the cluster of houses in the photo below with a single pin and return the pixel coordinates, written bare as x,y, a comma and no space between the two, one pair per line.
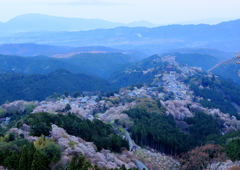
170,84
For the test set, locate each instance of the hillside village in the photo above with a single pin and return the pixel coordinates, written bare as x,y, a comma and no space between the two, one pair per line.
168,87
179,104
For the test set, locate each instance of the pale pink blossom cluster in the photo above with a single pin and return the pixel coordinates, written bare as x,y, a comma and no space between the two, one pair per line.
71,145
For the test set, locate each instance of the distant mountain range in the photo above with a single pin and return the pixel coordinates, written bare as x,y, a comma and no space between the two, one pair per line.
224,36
41,22
210,21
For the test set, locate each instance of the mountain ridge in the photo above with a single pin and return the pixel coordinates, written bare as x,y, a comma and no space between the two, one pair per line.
224,36
228,69
43,22
33,49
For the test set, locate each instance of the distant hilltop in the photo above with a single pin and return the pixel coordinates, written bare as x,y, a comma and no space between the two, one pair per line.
41,22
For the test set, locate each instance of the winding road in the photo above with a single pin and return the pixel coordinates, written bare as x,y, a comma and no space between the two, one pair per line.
129,139
139,164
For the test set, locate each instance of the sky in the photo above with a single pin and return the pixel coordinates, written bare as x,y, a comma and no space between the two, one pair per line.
125,11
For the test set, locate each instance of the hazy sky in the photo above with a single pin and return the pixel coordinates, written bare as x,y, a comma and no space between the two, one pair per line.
155,11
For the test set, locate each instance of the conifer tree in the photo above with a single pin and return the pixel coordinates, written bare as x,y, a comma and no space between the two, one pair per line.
123,167
6,152
233,149
67,107
80,162
7,162
86,165
30,155
1,157
14,160
72,164
96,167
23,161
39,161
55,159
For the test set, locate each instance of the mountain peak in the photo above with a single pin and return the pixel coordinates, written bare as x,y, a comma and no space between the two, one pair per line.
141,23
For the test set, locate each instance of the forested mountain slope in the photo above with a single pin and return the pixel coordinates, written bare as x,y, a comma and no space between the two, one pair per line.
16,86
99,64
228,69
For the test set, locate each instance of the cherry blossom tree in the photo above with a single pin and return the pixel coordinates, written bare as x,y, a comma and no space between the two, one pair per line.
201,157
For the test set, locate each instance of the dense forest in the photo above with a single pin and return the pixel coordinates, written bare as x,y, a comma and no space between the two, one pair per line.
15,86
159,131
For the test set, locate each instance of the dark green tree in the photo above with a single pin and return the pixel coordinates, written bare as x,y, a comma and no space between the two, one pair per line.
39,129
14,160
233,149
1,157
6,152
123,167
80,162
72,164
19,124
52,150
55,159
86,165
67,107
96,167
30,155
39,161
7,162
23,161
76,94
66,94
